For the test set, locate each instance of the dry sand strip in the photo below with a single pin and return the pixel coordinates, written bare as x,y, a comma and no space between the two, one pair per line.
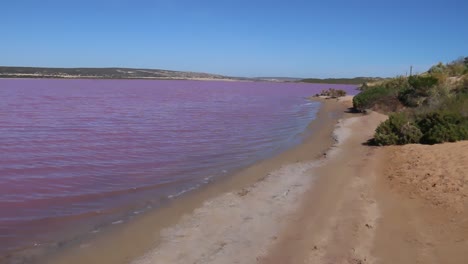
337,219
400,204
423,193
239,227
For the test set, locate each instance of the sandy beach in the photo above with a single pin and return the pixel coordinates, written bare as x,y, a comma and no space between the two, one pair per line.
331,199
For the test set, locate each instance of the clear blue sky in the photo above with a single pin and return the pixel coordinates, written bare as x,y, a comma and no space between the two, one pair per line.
239,37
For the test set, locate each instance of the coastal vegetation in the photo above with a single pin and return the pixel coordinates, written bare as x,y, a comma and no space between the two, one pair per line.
333,93
428,108
102,73
357,80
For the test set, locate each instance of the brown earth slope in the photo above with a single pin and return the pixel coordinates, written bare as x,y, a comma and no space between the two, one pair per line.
423,196
401,204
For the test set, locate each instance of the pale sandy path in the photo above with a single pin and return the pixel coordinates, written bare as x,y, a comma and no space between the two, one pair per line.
337,219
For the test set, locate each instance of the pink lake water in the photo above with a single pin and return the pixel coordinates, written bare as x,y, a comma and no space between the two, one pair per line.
75,151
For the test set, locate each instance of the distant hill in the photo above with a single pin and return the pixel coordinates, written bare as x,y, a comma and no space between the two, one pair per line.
356,80
102,73
131,73
277,79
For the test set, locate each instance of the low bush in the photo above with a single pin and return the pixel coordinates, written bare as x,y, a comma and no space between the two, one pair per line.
397,130
397,83
422,83
384,94
418,91
439,127
334,93
456,104
448,124
454,68
445,132
368,98
437,106
409,98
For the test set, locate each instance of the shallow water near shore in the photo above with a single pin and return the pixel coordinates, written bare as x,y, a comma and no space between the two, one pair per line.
93,151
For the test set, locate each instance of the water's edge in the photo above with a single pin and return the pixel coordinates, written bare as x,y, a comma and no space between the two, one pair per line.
141,234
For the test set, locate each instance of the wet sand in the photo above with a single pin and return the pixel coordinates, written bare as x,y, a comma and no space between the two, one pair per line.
130,241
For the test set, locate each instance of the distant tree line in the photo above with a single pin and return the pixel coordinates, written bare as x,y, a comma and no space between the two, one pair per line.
357,80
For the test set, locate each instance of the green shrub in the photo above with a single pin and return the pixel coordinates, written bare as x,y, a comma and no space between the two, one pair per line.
432,128
397,83
384,94
409,133
439,127
366,99
397,130
417,92
385,139
446,132
409,97
439,106
332,93
422,83
340,93
454,68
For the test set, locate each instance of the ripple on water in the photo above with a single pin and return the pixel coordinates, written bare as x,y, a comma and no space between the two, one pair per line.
72,148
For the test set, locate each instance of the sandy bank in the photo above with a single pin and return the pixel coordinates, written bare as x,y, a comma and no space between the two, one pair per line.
423,196
438,173
400,204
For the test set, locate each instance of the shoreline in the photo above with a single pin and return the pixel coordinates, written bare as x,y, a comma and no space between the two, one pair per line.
337,215
141,234
398,204
122,79
331,199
